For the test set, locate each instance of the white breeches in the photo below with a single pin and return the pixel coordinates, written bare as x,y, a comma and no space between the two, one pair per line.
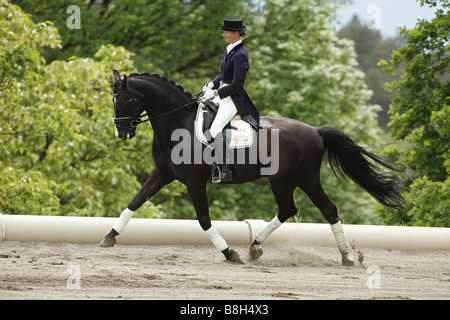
227,110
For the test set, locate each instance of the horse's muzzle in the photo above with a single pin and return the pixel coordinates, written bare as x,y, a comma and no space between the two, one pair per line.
125,133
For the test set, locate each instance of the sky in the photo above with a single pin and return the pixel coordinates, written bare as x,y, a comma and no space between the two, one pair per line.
385,15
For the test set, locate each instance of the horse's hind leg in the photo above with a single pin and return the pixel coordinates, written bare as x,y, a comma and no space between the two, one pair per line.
286,209
315,192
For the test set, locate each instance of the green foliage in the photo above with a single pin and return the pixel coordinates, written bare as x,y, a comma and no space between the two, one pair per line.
58,153
168,36
429,205
23,111
27,191
55,127
419,116
370,48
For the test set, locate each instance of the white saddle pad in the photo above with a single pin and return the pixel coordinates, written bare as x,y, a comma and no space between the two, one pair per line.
241,137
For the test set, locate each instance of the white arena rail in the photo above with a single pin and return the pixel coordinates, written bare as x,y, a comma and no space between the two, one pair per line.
188,232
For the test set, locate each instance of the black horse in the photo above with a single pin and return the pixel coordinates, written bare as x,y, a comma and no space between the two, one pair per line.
300,151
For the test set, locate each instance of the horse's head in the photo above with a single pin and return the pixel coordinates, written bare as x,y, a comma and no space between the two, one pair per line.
127,111
152,93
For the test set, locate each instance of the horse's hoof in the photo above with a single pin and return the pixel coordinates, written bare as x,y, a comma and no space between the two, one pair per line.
234,257
108,242
347,261
255,251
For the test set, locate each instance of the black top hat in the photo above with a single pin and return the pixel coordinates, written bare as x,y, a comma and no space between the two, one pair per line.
233,24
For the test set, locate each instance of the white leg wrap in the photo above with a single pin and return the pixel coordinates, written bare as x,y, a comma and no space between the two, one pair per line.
121,223
271,227
216,239
341,240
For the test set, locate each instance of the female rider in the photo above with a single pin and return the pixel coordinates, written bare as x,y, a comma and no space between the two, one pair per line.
228,89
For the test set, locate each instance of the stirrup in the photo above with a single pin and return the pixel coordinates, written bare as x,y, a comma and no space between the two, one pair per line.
219,179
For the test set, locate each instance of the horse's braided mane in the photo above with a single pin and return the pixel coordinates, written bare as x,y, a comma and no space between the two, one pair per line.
149,77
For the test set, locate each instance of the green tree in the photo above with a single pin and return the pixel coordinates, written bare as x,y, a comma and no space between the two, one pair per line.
56,151
420,117
57,130
370,47
21,68
171,37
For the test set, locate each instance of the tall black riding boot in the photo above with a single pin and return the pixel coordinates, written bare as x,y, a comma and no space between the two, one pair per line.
223,173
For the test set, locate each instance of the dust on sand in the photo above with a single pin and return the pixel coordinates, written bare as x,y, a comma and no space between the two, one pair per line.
42,270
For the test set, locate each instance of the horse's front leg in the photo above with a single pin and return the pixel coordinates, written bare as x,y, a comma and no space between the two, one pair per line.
197,192
154,183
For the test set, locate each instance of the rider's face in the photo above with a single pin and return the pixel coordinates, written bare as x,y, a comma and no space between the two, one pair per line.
231,36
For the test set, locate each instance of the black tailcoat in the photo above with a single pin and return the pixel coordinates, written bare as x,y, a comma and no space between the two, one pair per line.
234,68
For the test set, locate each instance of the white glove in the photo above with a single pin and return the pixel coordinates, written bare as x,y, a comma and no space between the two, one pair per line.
207,86
209,94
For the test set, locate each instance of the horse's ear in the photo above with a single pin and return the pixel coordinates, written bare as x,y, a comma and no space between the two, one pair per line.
116,75
124,83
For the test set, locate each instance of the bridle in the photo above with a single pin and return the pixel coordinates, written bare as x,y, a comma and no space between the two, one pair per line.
136,120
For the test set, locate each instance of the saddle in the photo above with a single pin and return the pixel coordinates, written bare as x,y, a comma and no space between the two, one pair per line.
241,132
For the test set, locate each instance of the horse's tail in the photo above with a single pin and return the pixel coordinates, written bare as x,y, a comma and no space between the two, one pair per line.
346,158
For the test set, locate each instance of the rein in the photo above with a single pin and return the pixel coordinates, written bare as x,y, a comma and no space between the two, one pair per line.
136,120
